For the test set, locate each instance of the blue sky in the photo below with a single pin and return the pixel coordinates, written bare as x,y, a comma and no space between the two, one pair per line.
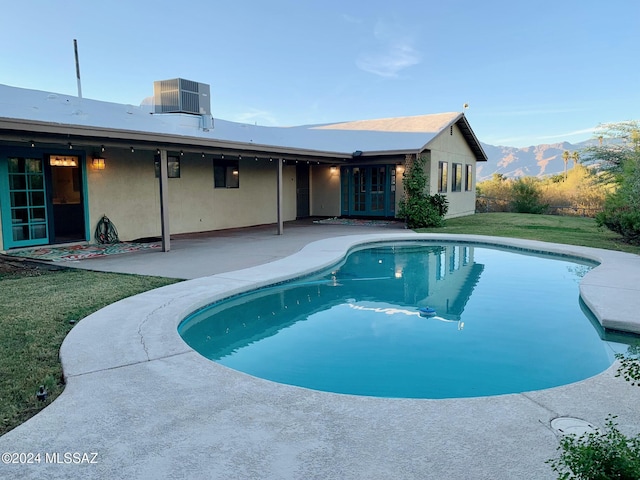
532,72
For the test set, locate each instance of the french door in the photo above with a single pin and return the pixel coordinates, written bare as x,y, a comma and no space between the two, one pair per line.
368,191
27,206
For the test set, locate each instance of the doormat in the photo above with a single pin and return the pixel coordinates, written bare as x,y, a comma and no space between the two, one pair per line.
81,252
356,221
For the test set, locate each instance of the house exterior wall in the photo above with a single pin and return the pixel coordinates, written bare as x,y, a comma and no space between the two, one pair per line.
129,194
451,147
325,191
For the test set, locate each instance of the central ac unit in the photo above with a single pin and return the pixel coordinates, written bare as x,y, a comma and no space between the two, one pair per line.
182,96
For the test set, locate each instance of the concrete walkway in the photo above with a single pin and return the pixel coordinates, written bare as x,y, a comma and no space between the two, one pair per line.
150,407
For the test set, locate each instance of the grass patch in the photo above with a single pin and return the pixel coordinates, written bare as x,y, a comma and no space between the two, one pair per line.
36,310
547,228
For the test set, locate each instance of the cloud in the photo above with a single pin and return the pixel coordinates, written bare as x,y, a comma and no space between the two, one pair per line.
527,111
350,19
537,139
392,53
573,133
390,61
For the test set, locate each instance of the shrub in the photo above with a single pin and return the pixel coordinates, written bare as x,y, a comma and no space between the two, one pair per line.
418,208
621,212
598,455
607,454
527,197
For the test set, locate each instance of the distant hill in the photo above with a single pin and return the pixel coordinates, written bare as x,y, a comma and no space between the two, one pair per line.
535,161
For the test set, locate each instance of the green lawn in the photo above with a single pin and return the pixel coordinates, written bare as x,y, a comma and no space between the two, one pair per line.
38,307
548,228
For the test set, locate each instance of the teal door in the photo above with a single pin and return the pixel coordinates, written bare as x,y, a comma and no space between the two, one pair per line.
368,191
24,202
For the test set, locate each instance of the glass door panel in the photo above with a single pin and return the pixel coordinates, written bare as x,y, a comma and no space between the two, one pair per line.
360,189
27,201
378,184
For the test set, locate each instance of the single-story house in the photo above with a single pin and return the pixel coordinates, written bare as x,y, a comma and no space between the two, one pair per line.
168,167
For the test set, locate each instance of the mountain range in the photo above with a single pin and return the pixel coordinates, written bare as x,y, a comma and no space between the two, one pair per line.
534,161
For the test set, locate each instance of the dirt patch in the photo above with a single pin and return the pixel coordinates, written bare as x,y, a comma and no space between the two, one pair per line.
18,266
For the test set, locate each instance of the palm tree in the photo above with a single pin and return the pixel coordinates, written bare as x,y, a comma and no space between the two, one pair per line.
575,156
565,157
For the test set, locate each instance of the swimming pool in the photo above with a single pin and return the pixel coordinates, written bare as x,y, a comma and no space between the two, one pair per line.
504,322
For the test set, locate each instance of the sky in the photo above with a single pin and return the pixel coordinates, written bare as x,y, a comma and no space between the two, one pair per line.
531,72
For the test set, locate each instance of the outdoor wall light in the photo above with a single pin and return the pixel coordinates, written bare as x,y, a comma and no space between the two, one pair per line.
59,161
33,144
102,149
181,153
235,171
70,146
202,154
98,163
132,150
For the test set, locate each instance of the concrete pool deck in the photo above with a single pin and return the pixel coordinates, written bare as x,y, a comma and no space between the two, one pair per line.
150,407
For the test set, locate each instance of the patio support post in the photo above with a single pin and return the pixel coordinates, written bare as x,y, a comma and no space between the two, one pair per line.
164,201
280,224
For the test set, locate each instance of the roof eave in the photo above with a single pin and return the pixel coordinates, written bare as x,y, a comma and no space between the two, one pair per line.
162,139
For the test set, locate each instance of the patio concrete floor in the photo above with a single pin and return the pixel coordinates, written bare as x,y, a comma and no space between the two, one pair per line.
150,407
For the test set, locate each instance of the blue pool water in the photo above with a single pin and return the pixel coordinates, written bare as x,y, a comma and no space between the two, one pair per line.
504,322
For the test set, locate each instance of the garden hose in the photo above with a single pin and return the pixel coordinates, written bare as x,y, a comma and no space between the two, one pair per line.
106,231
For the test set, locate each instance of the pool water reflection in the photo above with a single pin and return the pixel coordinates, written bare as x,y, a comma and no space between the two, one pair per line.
502,322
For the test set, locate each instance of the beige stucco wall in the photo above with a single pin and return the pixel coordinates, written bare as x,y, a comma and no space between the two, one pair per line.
325,191
453,148
129,194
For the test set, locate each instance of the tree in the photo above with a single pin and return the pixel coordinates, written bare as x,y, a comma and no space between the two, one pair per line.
618,158
575,156
565,157
617,142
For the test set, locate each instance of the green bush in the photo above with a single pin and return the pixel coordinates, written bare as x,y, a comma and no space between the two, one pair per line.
608,454
598,455
527,197
418,208
629,367
621,212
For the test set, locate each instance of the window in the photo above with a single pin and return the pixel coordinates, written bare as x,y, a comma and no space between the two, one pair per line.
173,166
226,174
456,183
442,176
468,183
